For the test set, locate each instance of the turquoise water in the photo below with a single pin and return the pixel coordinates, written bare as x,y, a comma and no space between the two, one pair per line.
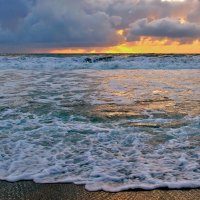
109,122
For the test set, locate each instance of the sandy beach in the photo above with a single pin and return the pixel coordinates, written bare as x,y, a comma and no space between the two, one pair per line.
27,190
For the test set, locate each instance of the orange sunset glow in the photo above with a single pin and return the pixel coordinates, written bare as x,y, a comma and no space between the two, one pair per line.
146,45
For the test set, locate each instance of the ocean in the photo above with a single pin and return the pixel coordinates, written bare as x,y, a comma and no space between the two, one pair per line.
110,122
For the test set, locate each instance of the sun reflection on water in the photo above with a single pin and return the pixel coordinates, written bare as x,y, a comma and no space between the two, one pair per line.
137,93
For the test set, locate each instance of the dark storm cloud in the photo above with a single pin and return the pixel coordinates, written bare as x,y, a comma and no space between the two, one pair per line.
51,23
163,28
91,23
11,11
67,23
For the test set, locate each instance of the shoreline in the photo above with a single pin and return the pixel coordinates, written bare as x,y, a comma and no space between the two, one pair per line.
28,190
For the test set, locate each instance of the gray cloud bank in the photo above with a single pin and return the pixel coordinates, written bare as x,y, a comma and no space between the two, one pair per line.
29,24
165,27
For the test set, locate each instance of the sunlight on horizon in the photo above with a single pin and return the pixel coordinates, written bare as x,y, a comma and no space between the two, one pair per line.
144,46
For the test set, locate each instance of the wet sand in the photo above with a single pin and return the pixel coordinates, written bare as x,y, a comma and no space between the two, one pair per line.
27,190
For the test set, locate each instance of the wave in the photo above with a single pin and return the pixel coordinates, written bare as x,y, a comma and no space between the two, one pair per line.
100,157
100,62
111,130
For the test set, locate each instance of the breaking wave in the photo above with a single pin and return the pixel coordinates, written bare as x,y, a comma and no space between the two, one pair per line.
100,61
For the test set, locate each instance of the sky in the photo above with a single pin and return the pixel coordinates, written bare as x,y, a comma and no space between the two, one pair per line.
99,26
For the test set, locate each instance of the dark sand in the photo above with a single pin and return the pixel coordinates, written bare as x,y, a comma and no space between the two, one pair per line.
27,190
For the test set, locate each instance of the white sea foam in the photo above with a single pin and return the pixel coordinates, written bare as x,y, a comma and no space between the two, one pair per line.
38,62
107,129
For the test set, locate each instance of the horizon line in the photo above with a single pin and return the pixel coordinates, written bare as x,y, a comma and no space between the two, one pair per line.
1,54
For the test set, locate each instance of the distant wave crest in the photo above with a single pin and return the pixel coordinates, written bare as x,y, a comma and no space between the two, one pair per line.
149,61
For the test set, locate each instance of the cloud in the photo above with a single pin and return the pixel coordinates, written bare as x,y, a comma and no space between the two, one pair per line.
12,12
60,23
166,27
194,15
68,24
133,10
31,24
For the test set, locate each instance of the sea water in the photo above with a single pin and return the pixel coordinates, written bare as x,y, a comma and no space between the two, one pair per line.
109,122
